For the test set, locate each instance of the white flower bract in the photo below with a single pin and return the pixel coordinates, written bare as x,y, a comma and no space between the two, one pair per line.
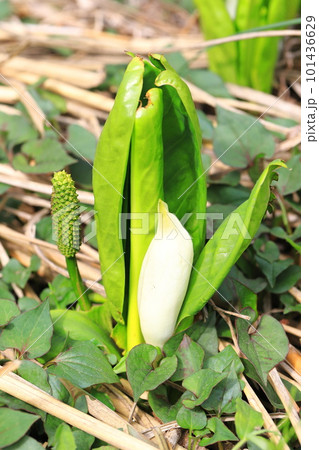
164,278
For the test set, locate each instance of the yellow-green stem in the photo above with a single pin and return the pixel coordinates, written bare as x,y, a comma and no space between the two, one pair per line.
77,283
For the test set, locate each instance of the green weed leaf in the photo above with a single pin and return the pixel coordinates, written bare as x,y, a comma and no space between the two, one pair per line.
266,346
16,129
64,439
26,443
42,156
190,357
35,374
224,395
221,432
14,272
235,139
30,332
83,365
81,142
159,402
141,373
11,420
246,419
290,177
201,384
287,279
79,327
8,310
191,419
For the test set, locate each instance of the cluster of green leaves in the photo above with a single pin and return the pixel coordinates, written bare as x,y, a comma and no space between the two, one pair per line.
76,355
73,351
21,144
193,380
246,62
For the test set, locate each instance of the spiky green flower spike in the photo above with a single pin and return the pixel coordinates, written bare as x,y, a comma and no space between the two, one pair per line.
66,226
65,214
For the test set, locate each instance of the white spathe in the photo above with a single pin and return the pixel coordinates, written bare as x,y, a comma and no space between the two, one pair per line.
164,278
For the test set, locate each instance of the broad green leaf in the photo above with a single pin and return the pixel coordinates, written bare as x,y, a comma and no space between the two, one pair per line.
79,327
140,370
14,403
11,420
83,441
190,357
222,361
14,272
81,142
246,297
227,244
8,310
81,173
5,294
230,178
251,373
222,59
290,177
58,344
206,128
191,419
215,215
30,332
256,284
201,384
59,391
59,292
229,194
235,138
270,251
266,346
205,334
16,129
146,188
280,233
35,374
102,397
221,432
51,424
210,82
109,174
246,419
41,156
271,270
184,178
64,439
161,406
101,315
77,362
291,304
287,279
44,229
26,443
51,104
224,395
